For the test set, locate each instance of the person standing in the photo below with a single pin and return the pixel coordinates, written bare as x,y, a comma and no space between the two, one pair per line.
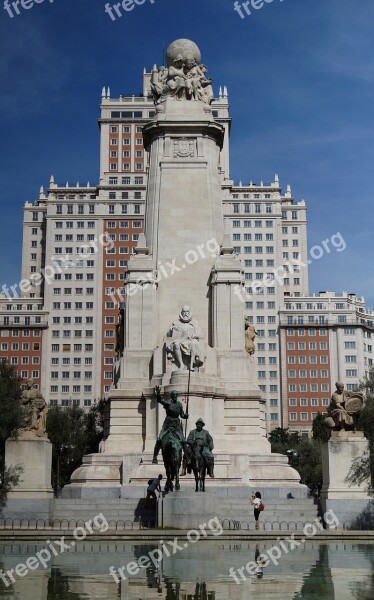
151,490
256,501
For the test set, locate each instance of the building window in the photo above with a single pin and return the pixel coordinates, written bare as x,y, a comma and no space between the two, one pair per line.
349,331
351,373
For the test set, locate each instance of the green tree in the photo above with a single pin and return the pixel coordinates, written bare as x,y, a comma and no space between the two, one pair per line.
73,433
282,440
10,421
309,463
319,430
306,458
10,406
363,466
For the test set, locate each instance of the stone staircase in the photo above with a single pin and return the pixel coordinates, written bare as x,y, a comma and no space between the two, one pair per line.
289,513
129,510
234,510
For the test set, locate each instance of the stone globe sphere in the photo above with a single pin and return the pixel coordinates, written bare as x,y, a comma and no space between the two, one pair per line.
186,48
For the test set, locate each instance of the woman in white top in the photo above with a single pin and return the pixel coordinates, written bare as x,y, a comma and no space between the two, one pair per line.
256,501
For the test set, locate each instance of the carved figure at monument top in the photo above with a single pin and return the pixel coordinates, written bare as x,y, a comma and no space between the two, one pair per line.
35,411
250,334
185,349
184,79
196,80
344,409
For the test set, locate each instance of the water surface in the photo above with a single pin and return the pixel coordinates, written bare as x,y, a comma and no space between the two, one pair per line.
206,570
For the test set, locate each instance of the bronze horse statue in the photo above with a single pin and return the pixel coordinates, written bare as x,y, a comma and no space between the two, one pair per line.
197,462
172,456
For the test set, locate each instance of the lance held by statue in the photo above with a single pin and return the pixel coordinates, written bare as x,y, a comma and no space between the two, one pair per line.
171,439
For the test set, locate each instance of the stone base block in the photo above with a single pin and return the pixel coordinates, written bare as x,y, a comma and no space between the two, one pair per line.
351,514
32,497
112,476
100,475
337,457
34,457
28,509
187,510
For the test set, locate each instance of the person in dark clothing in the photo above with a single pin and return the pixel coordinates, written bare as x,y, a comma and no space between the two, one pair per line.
151,490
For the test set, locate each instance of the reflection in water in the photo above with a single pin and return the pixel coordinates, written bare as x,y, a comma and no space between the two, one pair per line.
335,571
152,573
318,583
363,591
59,587
173,592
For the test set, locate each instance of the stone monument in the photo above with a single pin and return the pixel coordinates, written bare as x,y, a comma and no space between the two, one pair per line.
31,451
348,501
185,265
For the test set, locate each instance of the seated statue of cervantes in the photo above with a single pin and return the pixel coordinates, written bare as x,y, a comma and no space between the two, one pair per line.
185,348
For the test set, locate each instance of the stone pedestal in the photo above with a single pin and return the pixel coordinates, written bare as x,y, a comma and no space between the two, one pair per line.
187,510
350,502
33,496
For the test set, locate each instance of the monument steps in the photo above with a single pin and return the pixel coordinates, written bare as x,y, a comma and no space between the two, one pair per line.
233,509
117,509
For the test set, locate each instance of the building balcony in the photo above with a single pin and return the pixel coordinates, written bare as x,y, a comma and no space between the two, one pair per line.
331,321
22,322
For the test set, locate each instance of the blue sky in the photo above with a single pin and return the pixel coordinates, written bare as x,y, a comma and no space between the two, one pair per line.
300,75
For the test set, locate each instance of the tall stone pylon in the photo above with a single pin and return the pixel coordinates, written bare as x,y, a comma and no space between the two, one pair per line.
185,280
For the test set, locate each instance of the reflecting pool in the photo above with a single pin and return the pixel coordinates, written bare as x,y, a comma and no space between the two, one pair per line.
177,570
